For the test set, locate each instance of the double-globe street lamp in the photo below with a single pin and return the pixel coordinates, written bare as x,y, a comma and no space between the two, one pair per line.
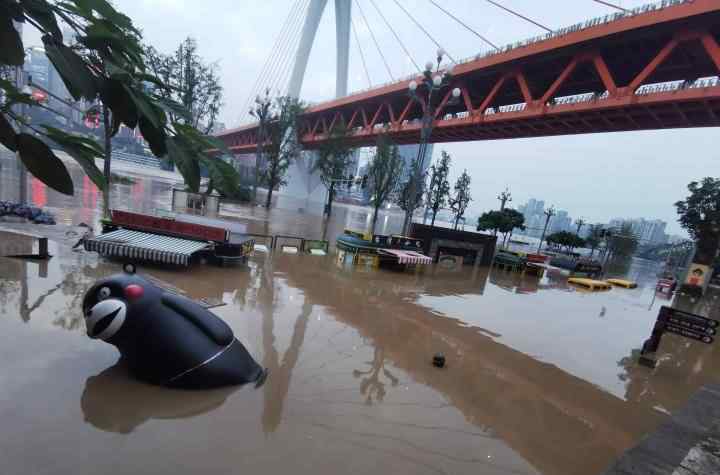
425,93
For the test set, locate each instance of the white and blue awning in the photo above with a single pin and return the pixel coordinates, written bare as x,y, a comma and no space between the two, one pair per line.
145,246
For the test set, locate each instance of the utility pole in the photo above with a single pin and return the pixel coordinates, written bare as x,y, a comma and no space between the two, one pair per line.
549,213
504,197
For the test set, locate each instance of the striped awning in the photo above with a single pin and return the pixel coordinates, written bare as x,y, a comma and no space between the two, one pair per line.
407,257
145,246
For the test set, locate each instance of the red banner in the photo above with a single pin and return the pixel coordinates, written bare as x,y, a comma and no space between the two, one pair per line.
142,222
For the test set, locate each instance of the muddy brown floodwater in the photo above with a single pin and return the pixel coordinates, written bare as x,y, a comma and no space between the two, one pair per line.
540,378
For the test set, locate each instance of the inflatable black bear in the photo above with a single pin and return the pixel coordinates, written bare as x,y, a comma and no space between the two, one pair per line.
164,338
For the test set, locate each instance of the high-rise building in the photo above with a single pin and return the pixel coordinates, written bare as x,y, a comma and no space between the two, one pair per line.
38,66
534,217
560,222
647,231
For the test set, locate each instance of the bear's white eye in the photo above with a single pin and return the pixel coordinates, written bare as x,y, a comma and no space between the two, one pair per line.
103,293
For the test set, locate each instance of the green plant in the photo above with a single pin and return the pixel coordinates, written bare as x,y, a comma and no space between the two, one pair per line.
595,238
504,222
334,157
621,242
283,144
438,190
460,200
188,80
565,239
410,194
383,175
699,214
106,68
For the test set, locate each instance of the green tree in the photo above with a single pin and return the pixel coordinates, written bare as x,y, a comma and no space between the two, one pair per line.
188,80
621,243
411,192
699,215
460,200
595,238
438,190
565,239
383,175
504,222
262,111
283,144
333,160
105,67
121,76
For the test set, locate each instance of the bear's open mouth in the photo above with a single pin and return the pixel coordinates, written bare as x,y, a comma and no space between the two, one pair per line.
105,318
103,323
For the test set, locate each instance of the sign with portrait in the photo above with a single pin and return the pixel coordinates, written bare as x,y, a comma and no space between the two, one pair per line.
698,275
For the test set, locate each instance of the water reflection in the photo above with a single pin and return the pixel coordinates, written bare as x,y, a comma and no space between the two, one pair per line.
34,282
515,282
679,359
371,385
558,422
540,378
114,401
142,193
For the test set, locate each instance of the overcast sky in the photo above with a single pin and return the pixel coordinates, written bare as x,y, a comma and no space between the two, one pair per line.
598,176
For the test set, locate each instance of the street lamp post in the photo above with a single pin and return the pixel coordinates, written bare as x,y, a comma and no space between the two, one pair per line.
424,92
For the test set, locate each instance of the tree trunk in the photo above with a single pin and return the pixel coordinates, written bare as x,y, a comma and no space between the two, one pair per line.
331,197
108,161
374,220
268,200
257,177
707,247
258,161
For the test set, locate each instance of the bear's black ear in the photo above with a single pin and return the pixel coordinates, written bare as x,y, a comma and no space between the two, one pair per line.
129,268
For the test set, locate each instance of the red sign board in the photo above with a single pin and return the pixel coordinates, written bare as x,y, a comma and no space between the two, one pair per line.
153,224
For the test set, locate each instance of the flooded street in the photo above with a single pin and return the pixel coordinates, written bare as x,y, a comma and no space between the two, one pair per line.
539,377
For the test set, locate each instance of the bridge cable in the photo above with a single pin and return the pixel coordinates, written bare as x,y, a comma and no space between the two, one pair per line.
611,5
277,73
377,45
283,74
272,57
362,55
424,30
268,65
278,76
520,16
464,25
402,45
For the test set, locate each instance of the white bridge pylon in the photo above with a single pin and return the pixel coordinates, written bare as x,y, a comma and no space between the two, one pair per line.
302,182
343,10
